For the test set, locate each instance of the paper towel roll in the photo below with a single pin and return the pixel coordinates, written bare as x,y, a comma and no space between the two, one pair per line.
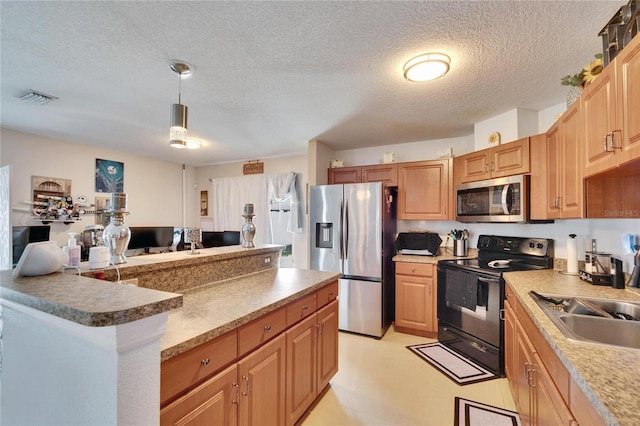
572,256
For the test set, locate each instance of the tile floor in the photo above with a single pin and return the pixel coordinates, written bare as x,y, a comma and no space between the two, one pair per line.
381,382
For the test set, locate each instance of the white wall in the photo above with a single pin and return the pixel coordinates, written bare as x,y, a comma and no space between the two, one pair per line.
512,125
153,187
405,152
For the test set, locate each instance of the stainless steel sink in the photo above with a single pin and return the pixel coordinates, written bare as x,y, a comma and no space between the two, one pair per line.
617,331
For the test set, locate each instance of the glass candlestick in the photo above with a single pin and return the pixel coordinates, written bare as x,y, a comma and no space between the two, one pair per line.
117,234
248,228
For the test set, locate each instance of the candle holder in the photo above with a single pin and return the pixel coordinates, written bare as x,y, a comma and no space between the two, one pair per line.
117,234
248,228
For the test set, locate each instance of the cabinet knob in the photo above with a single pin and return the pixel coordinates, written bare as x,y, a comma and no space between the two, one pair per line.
330,293
267,328
305,307
205,362
413,269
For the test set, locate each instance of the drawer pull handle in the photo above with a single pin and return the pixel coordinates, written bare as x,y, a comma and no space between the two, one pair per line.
305,307
267,328
205,362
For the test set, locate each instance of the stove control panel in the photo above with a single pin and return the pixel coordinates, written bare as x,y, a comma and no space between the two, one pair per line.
516,245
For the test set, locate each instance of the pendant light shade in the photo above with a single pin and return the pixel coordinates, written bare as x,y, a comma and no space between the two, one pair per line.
427,67
178,130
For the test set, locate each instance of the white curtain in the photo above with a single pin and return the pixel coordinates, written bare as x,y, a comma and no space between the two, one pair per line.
231,194
229,197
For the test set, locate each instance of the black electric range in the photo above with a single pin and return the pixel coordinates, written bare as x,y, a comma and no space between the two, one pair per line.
471,295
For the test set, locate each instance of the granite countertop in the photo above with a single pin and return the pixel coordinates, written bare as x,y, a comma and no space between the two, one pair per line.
158,261
215,309
608,375
86,301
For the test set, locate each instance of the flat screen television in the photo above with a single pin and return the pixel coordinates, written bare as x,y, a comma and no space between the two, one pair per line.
23,235
144,237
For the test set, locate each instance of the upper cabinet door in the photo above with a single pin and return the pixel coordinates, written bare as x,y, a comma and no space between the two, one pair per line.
628,97
385,173
599,109
510,159
344,175
424,190
472,167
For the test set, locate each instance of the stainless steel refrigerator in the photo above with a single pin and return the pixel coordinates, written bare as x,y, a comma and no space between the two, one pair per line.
352,231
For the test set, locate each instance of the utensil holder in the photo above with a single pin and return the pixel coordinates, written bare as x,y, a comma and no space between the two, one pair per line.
460,248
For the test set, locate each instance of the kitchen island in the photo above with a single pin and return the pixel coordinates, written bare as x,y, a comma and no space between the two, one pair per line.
606,375
85,351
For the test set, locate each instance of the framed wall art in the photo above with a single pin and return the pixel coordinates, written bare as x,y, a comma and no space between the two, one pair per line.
109,176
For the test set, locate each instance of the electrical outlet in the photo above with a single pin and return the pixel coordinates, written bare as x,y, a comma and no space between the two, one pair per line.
267,260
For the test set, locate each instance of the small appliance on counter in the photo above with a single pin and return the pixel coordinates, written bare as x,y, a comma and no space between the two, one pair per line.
91,237
418,243
597,267
635,275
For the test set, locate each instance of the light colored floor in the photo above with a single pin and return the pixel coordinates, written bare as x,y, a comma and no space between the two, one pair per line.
381,382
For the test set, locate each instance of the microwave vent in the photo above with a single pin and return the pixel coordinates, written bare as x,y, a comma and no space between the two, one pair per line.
35,97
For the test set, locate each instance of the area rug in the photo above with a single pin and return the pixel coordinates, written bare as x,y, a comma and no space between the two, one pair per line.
471,413
458,368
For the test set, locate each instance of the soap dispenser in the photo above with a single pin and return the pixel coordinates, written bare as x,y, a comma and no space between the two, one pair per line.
73,250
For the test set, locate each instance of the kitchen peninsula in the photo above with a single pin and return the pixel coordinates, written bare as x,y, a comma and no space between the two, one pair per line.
85,351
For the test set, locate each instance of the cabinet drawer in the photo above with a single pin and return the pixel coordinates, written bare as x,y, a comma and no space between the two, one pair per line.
261,330
181,372
407,268
327,294
301,308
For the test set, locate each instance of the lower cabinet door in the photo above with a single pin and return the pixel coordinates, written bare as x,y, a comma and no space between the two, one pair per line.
261,378
327,344
214,402
302,342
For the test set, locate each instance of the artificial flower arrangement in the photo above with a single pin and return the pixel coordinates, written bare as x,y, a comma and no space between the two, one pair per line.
586,75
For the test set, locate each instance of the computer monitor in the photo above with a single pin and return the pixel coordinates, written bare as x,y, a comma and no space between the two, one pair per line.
219,239
23,235
144,237
231,238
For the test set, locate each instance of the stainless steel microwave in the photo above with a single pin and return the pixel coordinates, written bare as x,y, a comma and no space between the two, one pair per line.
493,200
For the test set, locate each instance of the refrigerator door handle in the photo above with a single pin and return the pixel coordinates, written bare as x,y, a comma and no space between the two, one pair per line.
341,236
346,229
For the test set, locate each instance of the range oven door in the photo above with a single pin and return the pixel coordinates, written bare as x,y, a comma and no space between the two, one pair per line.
469,313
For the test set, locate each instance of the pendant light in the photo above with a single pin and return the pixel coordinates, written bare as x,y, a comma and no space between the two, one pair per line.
178,130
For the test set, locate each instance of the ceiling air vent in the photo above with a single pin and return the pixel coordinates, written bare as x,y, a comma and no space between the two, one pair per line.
34,97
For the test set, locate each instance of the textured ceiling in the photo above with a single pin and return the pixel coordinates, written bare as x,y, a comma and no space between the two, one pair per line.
270,76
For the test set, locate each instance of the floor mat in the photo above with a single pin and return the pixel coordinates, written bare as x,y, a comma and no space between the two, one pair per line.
458,368
471,413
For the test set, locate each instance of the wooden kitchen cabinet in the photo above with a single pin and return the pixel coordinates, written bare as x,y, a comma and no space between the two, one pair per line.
214,402
504,160
266,362
510,359
312,359
611,104
557,189
385,173
416,301
262,383
541,386
424,190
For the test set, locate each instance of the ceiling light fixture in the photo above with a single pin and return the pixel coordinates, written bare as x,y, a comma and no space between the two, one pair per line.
178,130
426,67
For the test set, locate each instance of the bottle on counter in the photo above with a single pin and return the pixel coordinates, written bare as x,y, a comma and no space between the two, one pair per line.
72,250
